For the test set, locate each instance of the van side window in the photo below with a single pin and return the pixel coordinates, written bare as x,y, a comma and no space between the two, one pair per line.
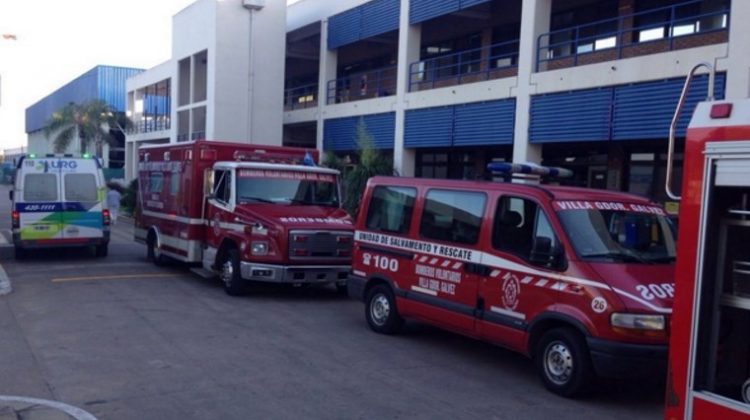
391,209
454,216
155,182
40,187
80,187
518,222
174,183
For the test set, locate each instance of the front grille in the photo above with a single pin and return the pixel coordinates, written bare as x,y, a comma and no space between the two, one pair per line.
320,244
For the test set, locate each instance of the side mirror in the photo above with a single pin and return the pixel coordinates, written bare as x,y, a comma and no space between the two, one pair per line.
544,253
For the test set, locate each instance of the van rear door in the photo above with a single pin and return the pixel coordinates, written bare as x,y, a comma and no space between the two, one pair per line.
82,200
38,205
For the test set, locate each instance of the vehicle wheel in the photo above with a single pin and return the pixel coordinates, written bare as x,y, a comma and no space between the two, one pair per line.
102,250
153,253
381,312
341,288
564,362
19,253
230,275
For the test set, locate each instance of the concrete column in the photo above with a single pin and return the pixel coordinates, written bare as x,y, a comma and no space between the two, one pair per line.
409,43
738,61
535,20
327,71
130,159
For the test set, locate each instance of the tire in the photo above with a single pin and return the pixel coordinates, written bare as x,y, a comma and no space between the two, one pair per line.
153,253
102,250
19,253
563,362
381,312
230,274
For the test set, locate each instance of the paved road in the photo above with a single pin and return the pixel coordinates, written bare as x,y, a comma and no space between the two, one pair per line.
124,339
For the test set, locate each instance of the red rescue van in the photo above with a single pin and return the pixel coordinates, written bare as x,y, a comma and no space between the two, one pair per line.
709,356
578,279
244,212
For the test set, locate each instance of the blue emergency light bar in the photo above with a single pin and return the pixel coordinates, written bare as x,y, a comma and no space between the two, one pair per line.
506,168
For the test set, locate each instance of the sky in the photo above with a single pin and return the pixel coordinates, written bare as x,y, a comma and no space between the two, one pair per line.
59,40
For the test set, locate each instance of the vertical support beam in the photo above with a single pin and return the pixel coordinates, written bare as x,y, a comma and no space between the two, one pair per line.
535,20
327,71
738,61
409,44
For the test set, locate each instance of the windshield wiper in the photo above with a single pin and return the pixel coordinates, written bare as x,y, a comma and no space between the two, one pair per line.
312,203
259,199
617,255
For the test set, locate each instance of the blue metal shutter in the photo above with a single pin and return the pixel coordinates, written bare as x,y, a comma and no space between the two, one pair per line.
572,116
484,123
645,110
422,10
379,17
341,133
429,127
344,28
382,128
469,3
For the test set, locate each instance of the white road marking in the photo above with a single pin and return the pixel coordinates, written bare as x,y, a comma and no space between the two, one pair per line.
75,412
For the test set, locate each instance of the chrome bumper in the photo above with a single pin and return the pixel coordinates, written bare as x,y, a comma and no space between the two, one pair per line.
294,273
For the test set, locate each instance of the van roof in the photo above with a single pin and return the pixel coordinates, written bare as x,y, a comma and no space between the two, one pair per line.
551,192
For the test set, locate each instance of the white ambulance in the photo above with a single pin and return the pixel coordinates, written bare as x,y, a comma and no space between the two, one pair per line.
59,201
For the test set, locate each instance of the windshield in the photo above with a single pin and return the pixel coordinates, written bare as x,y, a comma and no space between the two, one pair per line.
618,232
290,187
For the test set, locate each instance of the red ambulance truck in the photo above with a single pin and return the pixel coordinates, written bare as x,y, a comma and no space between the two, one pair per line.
244,212
578,279
709,375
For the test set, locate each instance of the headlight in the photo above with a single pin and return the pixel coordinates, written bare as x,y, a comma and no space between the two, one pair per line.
259,248
638,321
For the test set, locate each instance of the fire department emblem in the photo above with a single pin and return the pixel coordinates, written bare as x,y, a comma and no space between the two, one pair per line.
511,291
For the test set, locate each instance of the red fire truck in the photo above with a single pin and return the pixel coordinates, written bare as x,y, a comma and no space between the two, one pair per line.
709,375
244,212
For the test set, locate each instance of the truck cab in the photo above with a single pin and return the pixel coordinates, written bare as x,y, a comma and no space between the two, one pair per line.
276,223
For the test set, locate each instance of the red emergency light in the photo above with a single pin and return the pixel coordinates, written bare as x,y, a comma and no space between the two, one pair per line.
721,111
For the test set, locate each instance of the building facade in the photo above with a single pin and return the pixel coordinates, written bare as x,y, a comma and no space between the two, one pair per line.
445,87
105,83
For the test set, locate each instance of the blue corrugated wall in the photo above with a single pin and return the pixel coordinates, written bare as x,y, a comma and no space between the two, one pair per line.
102,82
627,112
370,19
471,124
341,133
422,10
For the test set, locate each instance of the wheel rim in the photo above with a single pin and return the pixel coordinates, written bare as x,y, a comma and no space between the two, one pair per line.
558,363
380,309
227,272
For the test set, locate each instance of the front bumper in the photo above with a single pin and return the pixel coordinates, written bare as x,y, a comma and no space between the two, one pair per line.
59,242
270,273
613,359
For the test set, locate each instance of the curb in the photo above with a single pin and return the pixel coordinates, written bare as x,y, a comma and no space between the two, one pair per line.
5,287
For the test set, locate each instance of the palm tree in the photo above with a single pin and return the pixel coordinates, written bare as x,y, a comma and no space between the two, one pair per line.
93,122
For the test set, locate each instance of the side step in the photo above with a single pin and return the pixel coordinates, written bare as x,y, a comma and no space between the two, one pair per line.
206,274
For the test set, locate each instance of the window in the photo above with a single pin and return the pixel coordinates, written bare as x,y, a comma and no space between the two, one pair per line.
40,187
391,209
518,223
454,216
174,183
80,187
155,182
222,185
